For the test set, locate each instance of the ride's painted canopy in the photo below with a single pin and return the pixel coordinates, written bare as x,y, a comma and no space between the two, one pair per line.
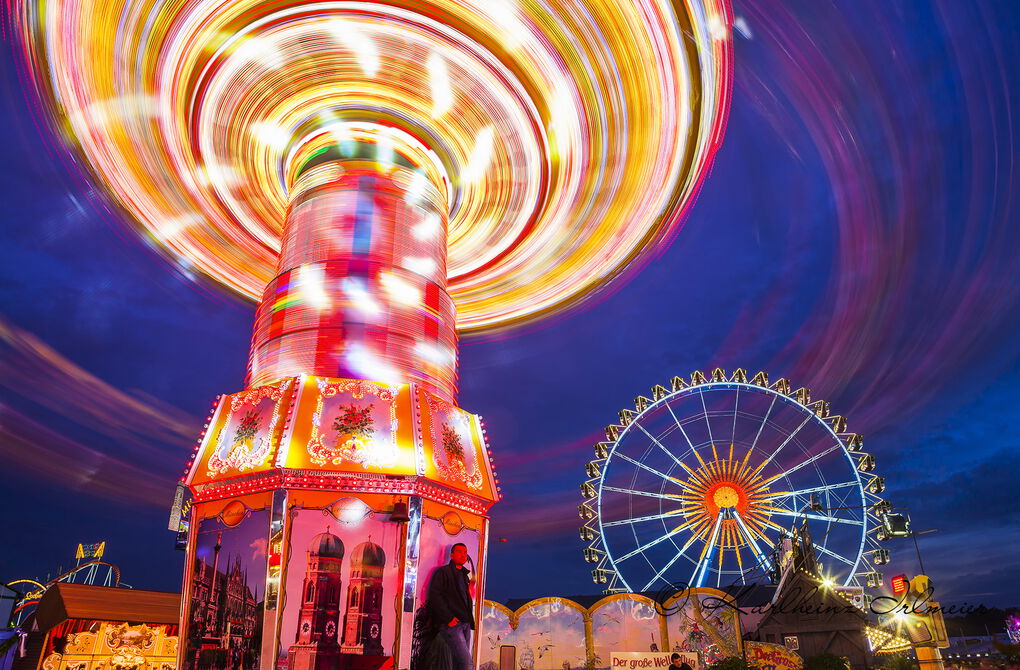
303,431
570,135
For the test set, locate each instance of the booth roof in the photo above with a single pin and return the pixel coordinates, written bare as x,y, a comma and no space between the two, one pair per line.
64,601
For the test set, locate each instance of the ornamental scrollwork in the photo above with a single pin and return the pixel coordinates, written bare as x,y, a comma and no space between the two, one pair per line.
248,446
358,439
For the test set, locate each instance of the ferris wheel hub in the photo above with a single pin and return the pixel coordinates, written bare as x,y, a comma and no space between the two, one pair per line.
726,496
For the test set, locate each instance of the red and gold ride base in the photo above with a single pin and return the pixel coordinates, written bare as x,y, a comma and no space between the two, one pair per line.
321,506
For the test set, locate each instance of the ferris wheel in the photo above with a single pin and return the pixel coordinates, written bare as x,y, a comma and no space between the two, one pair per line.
697,484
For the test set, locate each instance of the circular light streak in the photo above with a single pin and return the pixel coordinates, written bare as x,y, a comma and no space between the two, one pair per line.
571,135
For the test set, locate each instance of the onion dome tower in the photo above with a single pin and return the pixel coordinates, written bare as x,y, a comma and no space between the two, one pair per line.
363,618
315,646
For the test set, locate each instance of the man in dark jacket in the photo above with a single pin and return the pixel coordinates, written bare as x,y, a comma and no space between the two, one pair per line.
449,603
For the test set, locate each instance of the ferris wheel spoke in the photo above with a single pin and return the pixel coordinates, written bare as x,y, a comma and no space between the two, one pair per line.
704,466
680,554
829,552
697,480
815,489
647,494
784,443
656,541
743,469
733,431
718,568
751,542
740,559
650,469
816,517
764,421
771,524
678,425
730,540
698,576
805,463
661,446
708,423
639,519
714,466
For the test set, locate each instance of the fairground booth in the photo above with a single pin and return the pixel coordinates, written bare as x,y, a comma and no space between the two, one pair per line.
88,627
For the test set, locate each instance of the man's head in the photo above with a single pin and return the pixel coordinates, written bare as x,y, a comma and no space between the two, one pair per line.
458,554
674,660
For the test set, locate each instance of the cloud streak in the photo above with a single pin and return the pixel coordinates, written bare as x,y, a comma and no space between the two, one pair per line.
142,440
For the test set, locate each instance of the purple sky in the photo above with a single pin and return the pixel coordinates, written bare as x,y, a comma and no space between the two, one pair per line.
857,234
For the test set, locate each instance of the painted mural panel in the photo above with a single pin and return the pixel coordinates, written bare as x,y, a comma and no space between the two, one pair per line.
227,589
112,646
353,425
550,635
624,623
495,631
437,539
245,431
342,582
453,445
703,621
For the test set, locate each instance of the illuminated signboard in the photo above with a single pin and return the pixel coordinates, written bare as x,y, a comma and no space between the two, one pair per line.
900,584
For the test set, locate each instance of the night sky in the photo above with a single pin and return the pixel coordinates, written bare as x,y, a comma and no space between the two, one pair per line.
857,234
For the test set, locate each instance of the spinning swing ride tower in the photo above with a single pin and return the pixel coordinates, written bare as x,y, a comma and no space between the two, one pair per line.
377,177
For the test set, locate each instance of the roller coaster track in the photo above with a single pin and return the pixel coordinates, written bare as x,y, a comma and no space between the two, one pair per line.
87,572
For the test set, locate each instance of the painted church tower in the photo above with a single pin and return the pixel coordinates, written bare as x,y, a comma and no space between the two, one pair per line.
363,620
315,646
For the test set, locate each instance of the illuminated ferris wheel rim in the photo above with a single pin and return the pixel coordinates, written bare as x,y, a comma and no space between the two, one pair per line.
726,487
565,158
737,496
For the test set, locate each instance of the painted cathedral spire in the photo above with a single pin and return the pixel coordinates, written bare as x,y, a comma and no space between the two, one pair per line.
315,646
363,618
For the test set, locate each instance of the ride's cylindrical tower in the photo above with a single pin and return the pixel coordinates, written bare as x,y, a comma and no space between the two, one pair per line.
360,290
347,430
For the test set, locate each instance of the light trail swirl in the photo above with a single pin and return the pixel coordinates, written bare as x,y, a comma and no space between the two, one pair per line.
572,135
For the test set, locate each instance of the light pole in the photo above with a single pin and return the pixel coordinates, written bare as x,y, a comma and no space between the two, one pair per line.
914,535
